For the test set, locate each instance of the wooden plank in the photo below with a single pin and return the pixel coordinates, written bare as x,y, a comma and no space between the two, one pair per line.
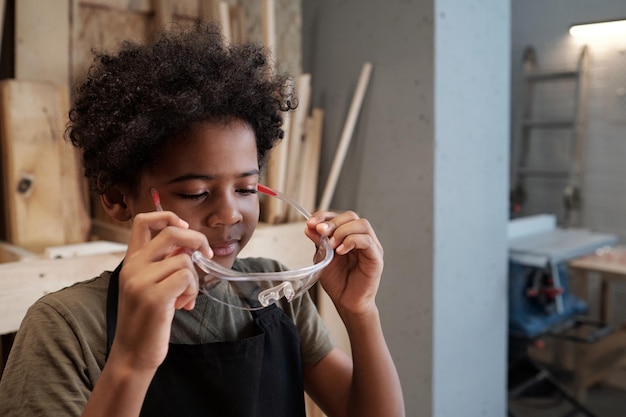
296,137
98,29
34,117
75,198
307,189
42,49
31,129
276,166
209,10
346,137
180,8
12,253
2,18
269,27
163,14
106,230
237,24
225,20
96,247
273,210
25,282
286,243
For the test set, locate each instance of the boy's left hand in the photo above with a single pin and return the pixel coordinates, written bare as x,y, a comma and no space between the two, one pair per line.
352,278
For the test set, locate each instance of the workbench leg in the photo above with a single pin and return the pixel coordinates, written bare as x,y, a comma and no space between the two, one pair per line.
580,283
580,373
606,299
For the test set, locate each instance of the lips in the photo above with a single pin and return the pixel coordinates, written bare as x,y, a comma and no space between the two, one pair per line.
224,248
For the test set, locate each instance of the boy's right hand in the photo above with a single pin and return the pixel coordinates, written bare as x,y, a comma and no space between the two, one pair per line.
157,278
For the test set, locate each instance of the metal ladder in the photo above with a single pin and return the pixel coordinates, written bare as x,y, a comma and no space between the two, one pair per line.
571,176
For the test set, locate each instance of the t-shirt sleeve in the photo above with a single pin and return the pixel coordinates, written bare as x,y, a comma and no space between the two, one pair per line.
315,340
46,374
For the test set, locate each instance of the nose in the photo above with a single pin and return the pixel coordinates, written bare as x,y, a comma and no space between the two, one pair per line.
225,211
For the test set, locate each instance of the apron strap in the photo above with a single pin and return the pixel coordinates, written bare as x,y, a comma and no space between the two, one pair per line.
112,299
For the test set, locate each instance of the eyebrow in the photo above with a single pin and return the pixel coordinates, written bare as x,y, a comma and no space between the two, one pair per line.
207,177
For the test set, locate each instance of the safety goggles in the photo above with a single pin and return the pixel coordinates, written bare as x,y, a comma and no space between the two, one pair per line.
257,290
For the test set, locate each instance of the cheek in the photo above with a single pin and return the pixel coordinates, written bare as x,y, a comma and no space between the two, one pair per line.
250,220
252,211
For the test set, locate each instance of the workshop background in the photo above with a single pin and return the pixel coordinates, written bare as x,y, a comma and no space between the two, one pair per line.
416,110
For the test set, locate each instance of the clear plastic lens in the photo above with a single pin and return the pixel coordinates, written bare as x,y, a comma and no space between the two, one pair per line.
256,290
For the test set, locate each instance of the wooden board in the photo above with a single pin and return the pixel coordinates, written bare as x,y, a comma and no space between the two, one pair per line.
32,121
346,137
24,282
2,17
42,47
12,253
273,211
209,10
286,243
182,8
74,200
163,14
307,189
296,138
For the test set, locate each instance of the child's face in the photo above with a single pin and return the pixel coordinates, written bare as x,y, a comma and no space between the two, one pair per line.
209,179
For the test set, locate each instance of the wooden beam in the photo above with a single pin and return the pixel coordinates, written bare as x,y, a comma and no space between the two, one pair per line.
163,15
307,189
25,282
209,10
296,138
31,133
225,20
187,9
75,200
269,27
42,47
346,137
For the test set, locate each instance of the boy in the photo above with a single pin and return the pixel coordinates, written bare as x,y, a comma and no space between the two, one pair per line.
195,119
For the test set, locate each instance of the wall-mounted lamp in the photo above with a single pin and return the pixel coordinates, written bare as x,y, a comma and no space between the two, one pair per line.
599,29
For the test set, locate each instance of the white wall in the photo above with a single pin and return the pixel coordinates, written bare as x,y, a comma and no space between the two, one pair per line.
428,166
471,160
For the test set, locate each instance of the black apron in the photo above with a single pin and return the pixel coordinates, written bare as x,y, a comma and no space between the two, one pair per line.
260,376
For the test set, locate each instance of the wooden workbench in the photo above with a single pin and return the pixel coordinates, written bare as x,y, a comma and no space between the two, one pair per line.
607,266
597,362
24,282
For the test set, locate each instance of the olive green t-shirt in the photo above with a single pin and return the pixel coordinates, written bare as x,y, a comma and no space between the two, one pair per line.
59,351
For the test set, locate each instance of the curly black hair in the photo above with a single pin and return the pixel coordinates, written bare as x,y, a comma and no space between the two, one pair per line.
135,101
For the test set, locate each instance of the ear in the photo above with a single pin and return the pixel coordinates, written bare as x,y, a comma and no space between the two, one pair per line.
115,205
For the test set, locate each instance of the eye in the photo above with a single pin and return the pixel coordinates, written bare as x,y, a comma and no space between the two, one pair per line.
247,191
193,196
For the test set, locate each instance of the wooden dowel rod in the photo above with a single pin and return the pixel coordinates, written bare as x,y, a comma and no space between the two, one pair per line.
346,137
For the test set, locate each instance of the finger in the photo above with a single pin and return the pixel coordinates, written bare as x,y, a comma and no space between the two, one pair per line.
336,226
319,217
181,288
356,235
170,265
170,240
333,221
145,224
137,278
363,242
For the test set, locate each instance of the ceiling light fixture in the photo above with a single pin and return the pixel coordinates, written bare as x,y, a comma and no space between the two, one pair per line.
599,29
